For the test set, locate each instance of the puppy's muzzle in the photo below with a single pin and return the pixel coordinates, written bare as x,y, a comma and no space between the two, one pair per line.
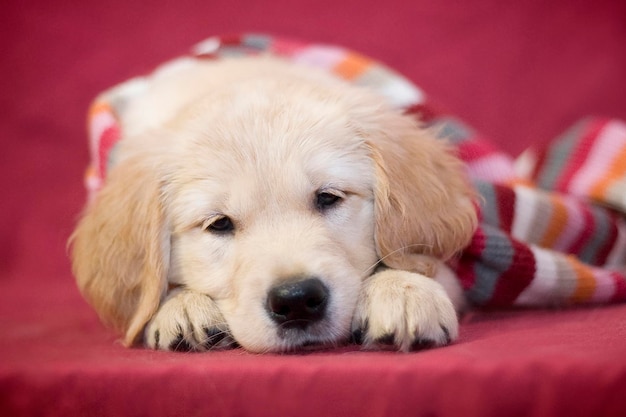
296,304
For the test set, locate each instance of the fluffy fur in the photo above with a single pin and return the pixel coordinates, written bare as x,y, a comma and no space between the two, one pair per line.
319,179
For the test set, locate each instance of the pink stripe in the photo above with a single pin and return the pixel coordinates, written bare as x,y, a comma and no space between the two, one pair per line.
98,124
574,226
494,167
605,286
607,146
287,47
324,57
617,255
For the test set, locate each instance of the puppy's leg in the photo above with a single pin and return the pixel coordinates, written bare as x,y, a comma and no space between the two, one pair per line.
188,321
405,310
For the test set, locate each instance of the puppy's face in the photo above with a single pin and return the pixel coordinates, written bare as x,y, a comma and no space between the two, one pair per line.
274,191
271,209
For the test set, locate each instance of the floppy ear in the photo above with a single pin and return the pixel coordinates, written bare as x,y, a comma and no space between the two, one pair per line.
120,249
424,207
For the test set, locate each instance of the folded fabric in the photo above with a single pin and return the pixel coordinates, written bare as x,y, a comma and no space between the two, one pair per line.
553,236
536,246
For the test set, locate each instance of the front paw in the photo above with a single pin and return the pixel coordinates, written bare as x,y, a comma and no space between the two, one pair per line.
188,321
404,310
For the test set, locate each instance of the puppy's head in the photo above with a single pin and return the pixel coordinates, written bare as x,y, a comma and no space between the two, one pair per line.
275,196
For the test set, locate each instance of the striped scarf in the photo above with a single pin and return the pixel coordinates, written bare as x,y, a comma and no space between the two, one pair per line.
553,234
556,235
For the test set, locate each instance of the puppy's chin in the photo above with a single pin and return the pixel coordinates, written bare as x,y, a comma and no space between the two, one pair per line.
296,340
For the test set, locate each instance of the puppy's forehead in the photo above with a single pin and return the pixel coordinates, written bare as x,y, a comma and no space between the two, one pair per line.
244,149
289,163
275,124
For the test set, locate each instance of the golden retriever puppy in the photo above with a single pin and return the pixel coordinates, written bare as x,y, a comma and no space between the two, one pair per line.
265,204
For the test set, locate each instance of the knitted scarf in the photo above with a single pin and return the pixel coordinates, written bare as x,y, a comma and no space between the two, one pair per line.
551,233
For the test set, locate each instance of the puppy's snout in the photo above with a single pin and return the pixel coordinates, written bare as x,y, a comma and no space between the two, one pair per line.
296,304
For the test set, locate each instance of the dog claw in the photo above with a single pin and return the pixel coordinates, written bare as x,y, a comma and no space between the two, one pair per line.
421,344
386,340
181,345
157,338
357,336
422,316
188,322
447,333
214,336
218,339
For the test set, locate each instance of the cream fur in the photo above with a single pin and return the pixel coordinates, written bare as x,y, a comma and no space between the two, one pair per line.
256,139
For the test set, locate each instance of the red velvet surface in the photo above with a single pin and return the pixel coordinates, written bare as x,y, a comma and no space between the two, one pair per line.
519,72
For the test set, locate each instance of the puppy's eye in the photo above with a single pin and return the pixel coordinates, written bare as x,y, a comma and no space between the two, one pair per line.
220,225
325,200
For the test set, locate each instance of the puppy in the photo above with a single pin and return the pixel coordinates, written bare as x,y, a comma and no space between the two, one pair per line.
261,203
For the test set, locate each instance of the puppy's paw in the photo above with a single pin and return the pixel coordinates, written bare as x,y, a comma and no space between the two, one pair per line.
405,311
188,321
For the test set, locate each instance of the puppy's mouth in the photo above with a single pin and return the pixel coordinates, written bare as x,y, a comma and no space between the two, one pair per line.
294,327
312,336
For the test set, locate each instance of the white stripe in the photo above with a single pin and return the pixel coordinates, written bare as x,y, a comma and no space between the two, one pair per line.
542,290
400,92
524,165
207,46
610,140
525,209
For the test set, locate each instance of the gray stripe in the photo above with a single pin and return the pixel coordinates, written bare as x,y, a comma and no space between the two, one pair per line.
559,154
496,258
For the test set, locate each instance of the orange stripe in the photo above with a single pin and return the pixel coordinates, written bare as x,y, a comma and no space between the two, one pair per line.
352,66
90,172
558,221
98,107
614,172
520,181
585,283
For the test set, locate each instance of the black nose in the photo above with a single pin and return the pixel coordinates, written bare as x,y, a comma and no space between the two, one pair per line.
296,304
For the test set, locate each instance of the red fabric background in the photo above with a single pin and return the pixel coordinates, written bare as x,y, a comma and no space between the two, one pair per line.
520,72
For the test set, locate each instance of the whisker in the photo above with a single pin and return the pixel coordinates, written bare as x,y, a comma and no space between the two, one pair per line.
224,341
371,268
